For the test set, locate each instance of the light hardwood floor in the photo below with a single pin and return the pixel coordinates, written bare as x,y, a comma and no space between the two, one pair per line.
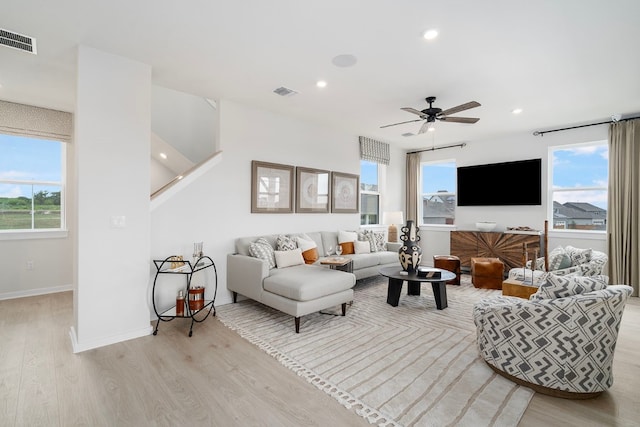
214,378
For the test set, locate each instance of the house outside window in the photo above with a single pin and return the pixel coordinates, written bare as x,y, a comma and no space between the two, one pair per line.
369,193
579,190
438,192
31,184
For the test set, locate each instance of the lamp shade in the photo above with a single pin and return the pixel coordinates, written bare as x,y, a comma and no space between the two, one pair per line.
390,218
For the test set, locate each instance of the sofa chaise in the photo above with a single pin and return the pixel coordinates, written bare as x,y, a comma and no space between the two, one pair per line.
301,288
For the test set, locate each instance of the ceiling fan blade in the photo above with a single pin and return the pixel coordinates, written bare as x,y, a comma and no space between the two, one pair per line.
424,127
459,119
413,110
401,123
461,107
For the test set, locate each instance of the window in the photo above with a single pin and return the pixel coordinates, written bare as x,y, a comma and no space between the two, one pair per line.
31,184
438,191
369,193
578,196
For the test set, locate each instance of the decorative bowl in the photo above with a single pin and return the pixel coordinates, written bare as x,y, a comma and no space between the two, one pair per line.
485,225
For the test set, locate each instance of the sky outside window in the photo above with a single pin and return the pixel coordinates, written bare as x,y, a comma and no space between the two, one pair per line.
28,159
580,167
439,177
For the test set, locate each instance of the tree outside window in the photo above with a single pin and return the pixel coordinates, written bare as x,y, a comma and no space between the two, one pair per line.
31,187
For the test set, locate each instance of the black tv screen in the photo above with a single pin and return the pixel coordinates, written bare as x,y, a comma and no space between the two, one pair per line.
501,184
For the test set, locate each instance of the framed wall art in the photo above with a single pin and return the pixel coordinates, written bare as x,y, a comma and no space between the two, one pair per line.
271,187
313,194
345,190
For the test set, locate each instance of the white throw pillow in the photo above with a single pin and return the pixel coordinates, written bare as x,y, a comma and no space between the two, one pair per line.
361,247
289,258
305,244
347,236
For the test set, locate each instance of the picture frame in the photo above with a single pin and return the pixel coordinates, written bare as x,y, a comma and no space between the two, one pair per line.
272,187
345,190
313,193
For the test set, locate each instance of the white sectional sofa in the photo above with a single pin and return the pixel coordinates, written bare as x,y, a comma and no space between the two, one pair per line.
305,288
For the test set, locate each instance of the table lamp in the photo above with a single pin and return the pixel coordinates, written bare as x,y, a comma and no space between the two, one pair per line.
392,219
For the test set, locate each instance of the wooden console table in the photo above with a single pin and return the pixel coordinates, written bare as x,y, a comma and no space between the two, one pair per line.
506,246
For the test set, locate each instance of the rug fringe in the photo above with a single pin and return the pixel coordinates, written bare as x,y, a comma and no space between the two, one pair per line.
372,415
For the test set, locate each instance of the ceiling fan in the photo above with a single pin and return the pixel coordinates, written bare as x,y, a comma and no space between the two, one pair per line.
432,114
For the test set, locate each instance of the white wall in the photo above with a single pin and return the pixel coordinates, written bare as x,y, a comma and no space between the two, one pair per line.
521,146
52,258
393,185
187,122
112,137
159,175
216,209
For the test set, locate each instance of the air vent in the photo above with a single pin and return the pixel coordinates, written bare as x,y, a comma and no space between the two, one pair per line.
17,41
284,91
407,134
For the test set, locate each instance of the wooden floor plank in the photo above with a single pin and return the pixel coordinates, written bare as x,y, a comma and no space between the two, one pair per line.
213,378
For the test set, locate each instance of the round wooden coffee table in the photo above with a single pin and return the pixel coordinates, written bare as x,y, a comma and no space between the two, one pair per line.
396,279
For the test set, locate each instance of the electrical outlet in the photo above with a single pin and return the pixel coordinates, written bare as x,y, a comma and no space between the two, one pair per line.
30,265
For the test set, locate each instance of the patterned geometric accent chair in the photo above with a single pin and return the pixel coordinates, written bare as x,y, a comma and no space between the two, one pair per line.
560,342
564,261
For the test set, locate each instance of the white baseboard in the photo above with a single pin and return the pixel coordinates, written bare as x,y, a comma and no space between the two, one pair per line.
78,347
35,292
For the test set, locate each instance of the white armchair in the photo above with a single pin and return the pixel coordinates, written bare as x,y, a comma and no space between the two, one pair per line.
562,262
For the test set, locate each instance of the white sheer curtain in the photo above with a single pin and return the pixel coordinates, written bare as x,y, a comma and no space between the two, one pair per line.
623,214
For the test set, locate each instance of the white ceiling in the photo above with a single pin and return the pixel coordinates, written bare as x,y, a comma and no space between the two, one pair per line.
563,62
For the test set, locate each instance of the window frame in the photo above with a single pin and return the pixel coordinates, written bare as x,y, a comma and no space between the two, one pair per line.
40,233
379,172
422,194
551,189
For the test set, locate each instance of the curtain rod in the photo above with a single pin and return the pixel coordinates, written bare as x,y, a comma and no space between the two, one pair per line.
542,132
463,144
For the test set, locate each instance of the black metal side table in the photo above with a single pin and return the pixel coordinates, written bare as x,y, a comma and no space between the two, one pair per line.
188,269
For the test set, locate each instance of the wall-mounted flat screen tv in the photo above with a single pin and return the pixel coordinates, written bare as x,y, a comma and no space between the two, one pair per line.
501,184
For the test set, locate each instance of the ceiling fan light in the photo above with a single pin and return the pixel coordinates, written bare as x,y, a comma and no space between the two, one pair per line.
430,34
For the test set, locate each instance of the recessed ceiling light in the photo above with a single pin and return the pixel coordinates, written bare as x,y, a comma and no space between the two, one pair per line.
164,156
346,60
321,83
516,111
430,34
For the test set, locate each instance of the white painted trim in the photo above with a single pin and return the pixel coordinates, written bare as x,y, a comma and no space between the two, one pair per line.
578,234
77,347
25,235
35,292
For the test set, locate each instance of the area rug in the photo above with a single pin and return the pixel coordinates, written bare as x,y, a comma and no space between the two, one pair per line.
411,365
